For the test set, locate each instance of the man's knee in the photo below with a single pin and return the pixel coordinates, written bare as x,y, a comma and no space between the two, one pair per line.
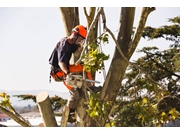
74,94
73,99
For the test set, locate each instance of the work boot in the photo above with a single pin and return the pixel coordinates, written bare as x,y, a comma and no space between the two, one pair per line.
71,117
96,89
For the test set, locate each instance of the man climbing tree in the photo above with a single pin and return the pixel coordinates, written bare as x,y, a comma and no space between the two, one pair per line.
61,68
125,46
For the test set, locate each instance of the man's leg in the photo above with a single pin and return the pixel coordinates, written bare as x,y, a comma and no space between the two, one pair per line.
72,104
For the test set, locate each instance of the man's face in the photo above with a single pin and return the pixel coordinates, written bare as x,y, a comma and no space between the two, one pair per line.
79,40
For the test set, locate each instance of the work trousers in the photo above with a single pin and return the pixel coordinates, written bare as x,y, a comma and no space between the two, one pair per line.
74,92
73,98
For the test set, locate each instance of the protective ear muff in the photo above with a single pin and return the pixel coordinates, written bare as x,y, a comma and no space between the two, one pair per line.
75,31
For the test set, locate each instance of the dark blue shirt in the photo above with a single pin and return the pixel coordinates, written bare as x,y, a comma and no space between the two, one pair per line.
62,53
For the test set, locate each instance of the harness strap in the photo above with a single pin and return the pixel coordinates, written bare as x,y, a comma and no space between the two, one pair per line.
50,78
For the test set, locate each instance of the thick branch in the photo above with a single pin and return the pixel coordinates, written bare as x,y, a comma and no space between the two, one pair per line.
121,53
15,117
85,12
144,15
89,17
70,17
136,66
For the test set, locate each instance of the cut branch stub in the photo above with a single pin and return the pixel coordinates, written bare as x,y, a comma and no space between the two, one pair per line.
45,108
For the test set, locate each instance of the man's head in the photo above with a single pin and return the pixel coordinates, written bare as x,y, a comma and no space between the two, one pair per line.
79,34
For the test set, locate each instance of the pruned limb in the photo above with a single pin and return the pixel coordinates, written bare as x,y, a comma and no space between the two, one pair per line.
64,118
45,109
13,115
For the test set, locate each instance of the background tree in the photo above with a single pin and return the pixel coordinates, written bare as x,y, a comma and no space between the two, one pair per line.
56,101
150,95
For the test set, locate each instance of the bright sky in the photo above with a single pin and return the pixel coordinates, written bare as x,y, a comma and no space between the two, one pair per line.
29,34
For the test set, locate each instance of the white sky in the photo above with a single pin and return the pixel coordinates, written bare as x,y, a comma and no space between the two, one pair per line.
29,34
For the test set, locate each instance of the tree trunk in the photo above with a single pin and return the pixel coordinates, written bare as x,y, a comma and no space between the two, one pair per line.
70,17
118,66
46,111
64,118
81,113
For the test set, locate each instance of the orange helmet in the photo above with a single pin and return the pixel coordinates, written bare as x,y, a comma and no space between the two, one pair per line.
81,30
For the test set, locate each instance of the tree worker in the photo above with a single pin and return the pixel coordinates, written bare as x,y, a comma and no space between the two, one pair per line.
60,59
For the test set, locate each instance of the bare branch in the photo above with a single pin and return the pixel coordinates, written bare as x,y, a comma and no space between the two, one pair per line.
85,12
144,15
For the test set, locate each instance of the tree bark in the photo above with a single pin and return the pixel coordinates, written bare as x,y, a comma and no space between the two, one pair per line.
46,111
70,17
16,117
127,46
118,66
81,113
64,118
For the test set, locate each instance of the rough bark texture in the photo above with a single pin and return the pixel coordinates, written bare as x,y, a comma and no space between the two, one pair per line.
70,17
118,66
64,118
81,113
46,111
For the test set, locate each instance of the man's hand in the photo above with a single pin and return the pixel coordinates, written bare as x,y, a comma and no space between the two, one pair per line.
67,72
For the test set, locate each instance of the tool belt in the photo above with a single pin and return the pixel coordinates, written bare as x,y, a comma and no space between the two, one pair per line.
57,74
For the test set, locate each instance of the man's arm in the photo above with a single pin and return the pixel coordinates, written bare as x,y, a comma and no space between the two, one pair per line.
63,67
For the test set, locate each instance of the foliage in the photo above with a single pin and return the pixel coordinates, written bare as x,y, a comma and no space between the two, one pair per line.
56,101
152,99
5,102
26,97
170,33
97,108
93,60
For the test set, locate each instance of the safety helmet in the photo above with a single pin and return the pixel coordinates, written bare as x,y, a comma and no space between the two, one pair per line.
81,30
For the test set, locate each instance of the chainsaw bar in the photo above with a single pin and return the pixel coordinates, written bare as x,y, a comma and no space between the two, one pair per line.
88,80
